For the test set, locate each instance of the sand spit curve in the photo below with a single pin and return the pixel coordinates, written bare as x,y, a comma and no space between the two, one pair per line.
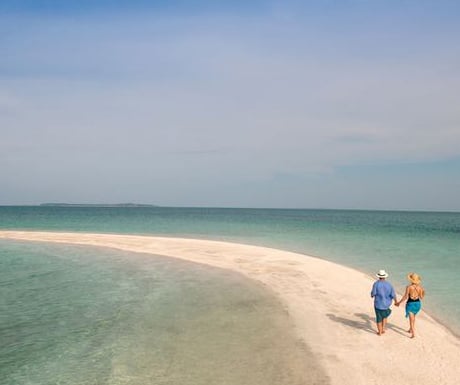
329,305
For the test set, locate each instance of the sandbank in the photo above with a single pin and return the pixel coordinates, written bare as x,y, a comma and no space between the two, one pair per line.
329,305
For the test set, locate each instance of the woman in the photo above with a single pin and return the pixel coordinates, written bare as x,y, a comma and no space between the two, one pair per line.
414,294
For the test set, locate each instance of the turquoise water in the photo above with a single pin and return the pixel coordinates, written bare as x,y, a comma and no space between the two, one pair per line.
400,242
86,316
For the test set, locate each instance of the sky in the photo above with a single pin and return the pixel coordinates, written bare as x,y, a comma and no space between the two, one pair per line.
350,104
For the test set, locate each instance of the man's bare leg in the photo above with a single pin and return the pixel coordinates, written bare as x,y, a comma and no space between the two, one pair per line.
384,325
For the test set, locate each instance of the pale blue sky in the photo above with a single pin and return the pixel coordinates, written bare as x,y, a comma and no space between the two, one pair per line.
322,104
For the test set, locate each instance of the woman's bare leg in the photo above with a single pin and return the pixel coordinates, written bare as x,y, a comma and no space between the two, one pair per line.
412,324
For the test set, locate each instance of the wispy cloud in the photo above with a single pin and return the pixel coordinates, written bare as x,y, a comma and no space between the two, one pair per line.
254,94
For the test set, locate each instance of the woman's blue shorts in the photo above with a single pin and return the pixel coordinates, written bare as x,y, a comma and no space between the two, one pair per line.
413,307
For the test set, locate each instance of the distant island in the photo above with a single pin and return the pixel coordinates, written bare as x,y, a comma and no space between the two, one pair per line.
96,205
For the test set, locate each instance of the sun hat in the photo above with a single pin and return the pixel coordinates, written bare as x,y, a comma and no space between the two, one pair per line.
413,278
382,274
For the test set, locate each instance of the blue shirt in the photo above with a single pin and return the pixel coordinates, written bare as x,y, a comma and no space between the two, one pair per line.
383,293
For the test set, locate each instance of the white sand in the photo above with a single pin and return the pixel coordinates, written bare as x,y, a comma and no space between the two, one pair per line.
329,304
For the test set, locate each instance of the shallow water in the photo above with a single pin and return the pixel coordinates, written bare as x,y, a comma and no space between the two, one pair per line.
77,315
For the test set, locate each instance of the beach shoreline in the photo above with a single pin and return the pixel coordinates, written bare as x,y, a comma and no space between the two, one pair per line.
329,304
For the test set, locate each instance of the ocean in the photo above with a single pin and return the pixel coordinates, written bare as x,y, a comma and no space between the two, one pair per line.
80,315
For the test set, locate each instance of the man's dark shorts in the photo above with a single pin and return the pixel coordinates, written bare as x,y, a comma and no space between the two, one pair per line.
381,314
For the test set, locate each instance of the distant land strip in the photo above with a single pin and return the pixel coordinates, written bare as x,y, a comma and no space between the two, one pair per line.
97,205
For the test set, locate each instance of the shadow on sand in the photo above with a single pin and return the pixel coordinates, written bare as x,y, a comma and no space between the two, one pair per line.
364,322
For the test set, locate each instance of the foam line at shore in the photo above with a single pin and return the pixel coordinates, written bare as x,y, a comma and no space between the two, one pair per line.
329,304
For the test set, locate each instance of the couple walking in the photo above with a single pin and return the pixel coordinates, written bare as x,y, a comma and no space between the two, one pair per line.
384,293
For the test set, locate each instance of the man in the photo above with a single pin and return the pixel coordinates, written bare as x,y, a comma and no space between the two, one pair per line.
383,294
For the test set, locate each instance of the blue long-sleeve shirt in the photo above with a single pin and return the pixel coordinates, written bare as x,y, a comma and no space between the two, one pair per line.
383,294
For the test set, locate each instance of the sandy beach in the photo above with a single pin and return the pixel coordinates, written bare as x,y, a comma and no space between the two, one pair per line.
329,304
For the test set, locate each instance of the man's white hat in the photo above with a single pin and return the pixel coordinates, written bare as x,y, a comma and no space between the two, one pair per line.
382,274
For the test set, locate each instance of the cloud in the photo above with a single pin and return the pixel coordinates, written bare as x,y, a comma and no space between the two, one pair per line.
223,97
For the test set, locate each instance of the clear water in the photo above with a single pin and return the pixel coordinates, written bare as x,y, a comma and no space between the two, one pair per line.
400,242
78,315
